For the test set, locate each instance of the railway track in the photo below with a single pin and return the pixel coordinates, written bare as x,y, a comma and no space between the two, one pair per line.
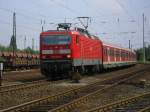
20,87
138,103
82,100
23,85
19,94
10,87
62,102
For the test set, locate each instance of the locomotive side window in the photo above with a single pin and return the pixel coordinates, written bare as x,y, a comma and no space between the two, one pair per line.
108,52
111,52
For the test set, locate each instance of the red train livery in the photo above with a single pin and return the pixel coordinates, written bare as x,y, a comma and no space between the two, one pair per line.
114,56
62,51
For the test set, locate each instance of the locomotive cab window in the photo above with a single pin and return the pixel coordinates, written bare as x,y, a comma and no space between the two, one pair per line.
56,39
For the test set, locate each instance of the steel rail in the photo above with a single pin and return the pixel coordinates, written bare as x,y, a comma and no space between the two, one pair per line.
23,87
120,103
147,109
28,105
28,86
4,88
84,99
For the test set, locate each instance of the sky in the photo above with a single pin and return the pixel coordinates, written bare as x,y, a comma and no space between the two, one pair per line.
113,21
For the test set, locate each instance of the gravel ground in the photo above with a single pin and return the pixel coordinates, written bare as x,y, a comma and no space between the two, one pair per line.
26,96
17,77
144,77
36,93
115,94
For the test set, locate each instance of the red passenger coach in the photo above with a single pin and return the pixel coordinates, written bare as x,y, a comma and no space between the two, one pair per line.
114,56
62,51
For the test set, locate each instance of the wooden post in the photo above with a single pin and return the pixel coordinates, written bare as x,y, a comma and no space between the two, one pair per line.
1,73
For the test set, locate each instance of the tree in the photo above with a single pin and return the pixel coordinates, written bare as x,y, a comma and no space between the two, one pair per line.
139,53
27,50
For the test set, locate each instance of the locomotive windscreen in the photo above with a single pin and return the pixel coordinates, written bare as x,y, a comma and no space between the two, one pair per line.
55,39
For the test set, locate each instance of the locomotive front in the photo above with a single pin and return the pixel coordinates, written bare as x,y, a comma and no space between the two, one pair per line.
55,53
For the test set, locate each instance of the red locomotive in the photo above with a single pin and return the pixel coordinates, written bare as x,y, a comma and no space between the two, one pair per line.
62,51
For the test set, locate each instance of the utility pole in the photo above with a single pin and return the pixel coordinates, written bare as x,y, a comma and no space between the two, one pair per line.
25,42
65,20
129,45
42,23
13,45
32,43
143,38
1,72
14,33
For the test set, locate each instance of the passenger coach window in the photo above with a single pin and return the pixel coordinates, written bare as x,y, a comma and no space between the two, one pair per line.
76,39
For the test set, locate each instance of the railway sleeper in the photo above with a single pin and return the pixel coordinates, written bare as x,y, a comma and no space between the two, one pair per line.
60,98
134,106
51,105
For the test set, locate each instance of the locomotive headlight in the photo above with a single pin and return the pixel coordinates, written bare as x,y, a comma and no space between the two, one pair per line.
68,56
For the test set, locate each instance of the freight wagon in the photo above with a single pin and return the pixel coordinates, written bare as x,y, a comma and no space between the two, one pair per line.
19,60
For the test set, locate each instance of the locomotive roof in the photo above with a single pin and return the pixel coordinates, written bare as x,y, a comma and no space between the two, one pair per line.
74,31
85,33
116,46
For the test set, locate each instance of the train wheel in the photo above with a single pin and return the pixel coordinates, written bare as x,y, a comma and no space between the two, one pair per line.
83,70
76,77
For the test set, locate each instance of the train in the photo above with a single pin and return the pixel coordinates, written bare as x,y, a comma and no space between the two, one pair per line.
66,50
19,60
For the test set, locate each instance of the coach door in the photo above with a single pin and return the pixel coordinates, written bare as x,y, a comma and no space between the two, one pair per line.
115,54
120,55
108,52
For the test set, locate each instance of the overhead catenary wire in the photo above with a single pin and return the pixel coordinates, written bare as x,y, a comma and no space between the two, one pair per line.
65,7
19,13
43,16
21,26
125,10
23,15
32,17
85,2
